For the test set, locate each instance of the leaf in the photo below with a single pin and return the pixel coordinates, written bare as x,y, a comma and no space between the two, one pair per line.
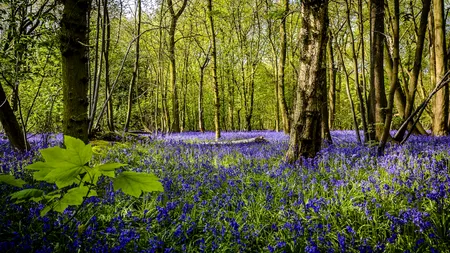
27,194
133,183
11,180
42,170
109,169
64,177
73,197
82,152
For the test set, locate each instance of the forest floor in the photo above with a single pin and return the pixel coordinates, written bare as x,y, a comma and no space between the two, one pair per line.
245,198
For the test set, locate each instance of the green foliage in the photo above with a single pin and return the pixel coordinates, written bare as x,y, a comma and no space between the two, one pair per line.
69,169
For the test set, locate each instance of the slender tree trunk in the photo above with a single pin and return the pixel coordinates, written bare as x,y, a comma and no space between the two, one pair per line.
97,68
135,73
214,72
75,72
281,71
305,139
332,71
356,71
107,30
378,101
173,70
394,82
441,104
349,95
414,76
9,122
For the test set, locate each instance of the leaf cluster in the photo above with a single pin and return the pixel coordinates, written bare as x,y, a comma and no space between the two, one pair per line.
68,168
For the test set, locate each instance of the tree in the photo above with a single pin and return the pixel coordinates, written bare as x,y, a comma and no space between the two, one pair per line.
75,73
377,103
214,71
305,136
136,66
282,67
440,111
174,16
9,122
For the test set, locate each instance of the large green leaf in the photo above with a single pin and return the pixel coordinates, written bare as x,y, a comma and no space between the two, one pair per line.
27,194
11,180
73,197
81,152
42,170
109,169
134,183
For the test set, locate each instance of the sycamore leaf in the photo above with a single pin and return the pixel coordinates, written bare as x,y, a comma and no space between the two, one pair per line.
133,183
46,210
64,177
82,152
42,169
11,180
73,197
27,194
109,169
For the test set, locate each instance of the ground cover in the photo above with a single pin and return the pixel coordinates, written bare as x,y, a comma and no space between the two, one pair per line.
244,198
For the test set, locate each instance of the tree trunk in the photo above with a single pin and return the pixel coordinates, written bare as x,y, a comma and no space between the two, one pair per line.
305,139
417,67
97,68
393,79
134,75
362,108
173,70
75,72
107,30
440,111
377,94
332,71
214,72
9,122
281,71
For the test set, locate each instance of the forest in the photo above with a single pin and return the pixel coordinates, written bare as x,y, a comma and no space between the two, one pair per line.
224,126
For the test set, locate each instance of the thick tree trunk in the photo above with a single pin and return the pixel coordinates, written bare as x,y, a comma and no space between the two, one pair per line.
281,70
377,94
305,139
442,100
9,122
75,72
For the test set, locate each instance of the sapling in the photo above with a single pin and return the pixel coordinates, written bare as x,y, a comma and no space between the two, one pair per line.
75,179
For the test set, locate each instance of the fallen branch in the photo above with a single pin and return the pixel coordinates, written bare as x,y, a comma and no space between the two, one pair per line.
444,81
259,139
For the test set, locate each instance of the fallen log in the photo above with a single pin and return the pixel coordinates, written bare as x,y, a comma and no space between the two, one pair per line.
259,139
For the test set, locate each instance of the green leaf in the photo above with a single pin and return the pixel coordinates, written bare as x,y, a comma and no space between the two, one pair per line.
64,177
27,194
46,210
11,180
42,170
73,197
133,183
109,169
82,152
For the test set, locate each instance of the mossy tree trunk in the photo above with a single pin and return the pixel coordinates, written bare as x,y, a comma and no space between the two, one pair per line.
75,73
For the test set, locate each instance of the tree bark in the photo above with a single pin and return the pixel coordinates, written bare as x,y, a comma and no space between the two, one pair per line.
75,72
441,102
281,70
214,72
10,124
377,94
332,71
173,70
305,139
135,73
107,30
